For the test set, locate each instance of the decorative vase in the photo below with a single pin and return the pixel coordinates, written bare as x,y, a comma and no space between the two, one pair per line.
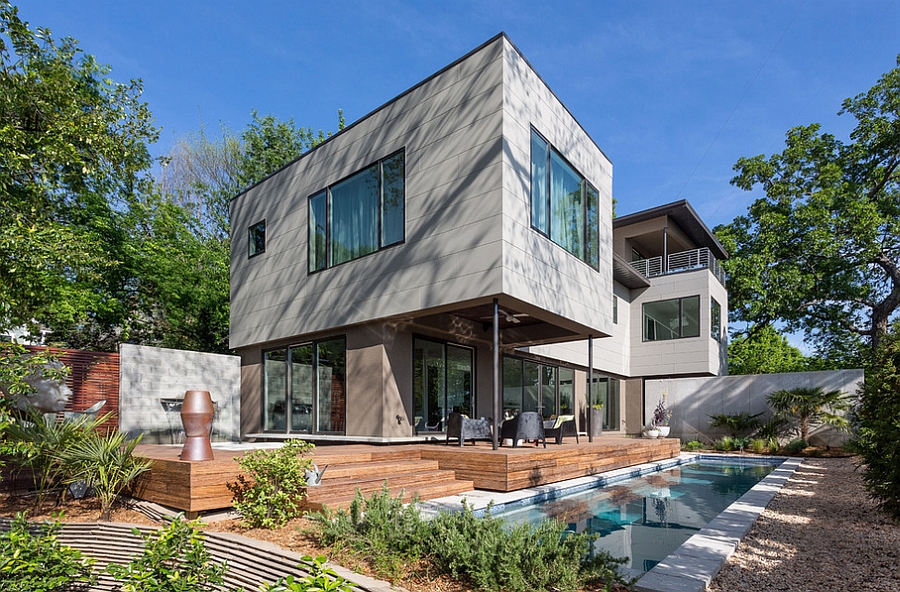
652,433
197,413
663,431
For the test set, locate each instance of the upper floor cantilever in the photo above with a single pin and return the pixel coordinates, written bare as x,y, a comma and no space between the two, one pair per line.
667,239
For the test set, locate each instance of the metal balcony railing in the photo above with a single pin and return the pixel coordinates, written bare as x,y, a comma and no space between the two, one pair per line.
701,258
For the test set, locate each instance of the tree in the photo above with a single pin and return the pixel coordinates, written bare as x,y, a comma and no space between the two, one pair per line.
811,404
821,250
765,351
73,143
879,423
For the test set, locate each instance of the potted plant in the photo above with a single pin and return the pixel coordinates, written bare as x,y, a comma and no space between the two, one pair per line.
650,431
597,419
661,417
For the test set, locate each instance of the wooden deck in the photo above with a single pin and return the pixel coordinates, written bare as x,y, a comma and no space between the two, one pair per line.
427,470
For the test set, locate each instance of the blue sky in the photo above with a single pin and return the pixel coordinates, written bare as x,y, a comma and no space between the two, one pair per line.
674,92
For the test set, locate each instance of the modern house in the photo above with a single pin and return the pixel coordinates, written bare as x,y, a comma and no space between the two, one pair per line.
456,250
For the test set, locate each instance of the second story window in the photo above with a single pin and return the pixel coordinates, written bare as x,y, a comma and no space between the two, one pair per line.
359,215
715,319
257,238
672,319
564,206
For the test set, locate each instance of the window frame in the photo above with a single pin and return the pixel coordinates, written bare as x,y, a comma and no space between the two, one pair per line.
589,255
715,319
328,212
681,325
251,242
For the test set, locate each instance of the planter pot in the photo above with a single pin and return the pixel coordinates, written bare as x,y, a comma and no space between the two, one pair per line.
596,422
663,431
651,433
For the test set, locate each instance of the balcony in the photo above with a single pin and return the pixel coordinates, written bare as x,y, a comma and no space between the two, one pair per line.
677,262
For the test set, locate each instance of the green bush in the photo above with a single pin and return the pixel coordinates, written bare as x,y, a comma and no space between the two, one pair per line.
319,579
735,422
40,563
758,445
275,489
482,550
175,559
105,462
692,446
879,425
724,444
795,446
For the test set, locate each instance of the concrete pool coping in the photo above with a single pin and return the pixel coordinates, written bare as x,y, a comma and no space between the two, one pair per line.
690,567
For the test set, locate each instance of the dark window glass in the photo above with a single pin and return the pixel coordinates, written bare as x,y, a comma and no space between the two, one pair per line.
512,387
672,319
318,242
358,215
539,183
275,390
715,320
564,206
354,216
331,403
615,309
393,200
257,236
442,383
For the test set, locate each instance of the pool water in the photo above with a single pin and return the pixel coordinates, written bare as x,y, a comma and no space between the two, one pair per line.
646,518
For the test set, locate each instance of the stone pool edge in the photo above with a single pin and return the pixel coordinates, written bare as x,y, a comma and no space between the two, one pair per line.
693,565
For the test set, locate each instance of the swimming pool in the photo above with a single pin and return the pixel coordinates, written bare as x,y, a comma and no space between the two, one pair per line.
647,517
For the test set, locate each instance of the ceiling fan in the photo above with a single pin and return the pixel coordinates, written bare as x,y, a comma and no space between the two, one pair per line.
509,316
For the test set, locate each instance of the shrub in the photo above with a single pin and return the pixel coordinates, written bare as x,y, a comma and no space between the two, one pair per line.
692,446
724,444
735,422
275,489
40,563
758,445
879,425
105,462
37,444
483,550
319,579
175,559
795,446
740,443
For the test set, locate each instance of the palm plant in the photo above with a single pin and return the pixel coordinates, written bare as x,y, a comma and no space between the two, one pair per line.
811,404
735,422
36,443
107,463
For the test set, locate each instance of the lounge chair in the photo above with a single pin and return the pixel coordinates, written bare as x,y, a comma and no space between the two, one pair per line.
559,428
463,428
525,426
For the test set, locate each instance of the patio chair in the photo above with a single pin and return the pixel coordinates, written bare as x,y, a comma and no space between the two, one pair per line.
525,426
464,428
559,428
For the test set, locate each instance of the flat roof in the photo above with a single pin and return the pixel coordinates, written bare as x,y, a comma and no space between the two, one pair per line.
687,219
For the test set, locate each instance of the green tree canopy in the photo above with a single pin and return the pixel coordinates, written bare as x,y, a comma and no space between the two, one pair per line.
73,145
820,250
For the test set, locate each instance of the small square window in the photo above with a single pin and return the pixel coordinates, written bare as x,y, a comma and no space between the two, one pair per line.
258,238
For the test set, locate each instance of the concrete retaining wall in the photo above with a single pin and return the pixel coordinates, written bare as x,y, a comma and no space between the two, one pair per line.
693,400
151,377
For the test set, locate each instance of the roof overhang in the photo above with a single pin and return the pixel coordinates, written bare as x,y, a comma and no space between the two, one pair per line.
687,220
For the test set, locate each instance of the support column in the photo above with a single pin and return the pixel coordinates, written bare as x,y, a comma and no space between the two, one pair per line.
495,437
590,392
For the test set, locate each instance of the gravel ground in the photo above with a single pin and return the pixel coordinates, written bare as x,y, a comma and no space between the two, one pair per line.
821,532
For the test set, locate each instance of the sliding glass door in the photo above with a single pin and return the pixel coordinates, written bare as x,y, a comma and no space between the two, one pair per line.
304,388
443,379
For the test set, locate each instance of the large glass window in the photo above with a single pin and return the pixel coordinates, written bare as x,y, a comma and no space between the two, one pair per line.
531,386
606,392
359,215
304,388
715,320
442,383
672,319
564,206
